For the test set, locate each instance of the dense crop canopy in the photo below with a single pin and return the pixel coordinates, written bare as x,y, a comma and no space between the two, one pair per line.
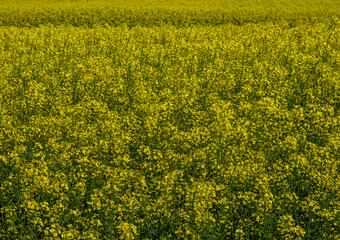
198,132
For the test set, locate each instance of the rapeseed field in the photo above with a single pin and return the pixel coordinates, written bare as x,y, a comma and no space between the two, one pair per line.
170,119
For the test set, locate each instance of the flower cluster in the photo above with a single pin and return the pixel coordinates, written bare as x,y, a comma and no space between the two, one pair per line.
204,132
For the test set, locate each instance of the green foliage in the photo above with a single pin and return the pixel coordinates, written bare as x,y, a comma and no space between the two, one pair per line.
199,132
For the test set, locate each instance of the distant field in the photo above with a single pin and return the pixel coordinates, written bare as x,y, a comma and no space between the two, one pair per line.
285,5
157,13
169,120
